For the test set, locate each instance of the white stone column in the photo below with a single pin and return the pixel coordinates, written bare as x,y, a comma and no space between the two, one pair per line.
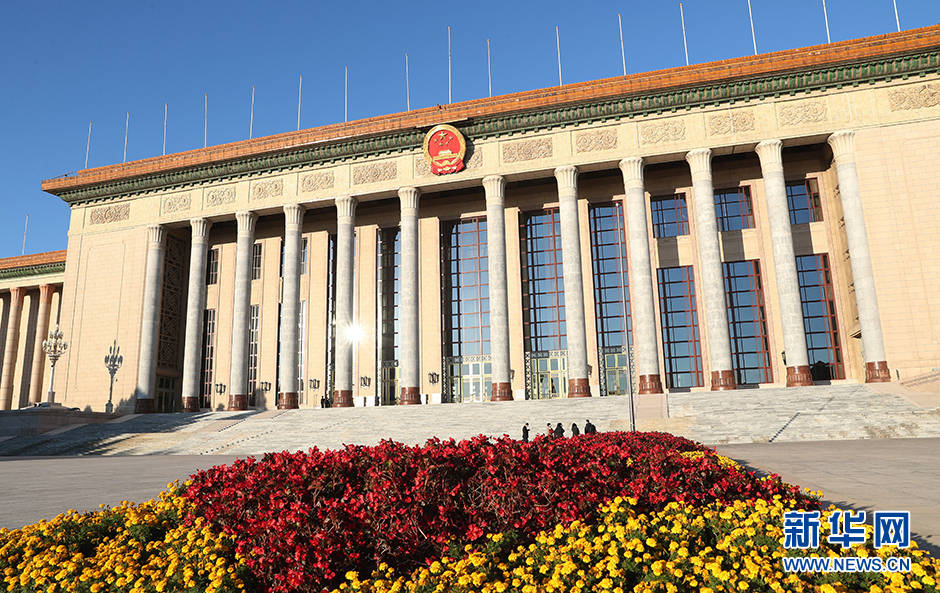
495,186
42,330
642,294
843,151
195,313
567,179
709,274
408,366
238,381
788,283
150,320
345,252
290,307
10,347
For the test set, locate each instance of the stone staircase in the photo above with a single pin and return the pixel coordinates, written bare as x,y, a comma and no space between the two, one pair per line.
742,416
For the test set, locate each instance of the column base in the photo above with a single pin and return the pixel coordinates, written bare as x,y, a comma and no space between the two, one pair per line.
190,403
342,398
723,381
288,401
410,396
877,372
799,376
579,388
650,384
143,405
501,392
237,403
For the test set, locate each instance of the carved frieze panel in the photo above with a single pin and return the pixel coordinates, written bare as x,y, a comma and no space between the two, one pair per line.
106,214
916,97
806,112
527,150
721,124
270,188
596,140
317,181
374,172
220,195
659,132
176,203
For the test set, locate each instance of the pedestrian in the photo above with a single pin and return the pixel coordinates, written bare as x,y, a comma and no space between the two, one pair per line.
525,433
323,402
589,428
559,431
574,430
551,431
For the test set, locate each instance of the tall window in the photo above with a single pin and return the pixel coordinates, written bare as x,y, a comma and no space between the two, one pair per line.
208,359
301,342
330,314
303,257
682,348
733,209
256,261
819,317
543,284
747,322
466,290
212,267
254,334
389,302
803,200
670,216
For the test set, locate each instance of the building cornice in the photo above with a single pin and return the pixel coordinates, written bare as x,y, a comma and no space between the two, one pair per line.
852,63
36,270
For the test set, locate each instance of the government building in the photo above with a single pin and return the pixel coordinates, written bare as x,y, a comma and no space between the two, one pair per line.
764,221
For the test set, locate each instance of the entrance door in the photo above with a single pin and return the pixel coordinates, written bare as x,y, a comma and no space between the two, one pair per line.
547,375
616,371
468,379
167,397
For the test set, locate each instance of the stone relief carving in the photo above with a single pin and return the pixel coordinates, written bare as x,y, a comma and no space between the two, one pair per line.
270,188
527,150
176,203
317,181
374,172
113,213
220,195
421,164
667,131
720,124
597,140
795,114
917,97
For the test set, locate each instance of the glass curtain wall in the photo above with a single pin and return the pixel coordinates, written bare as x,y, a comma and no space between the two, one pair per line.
682,347
819,317
389,313
747,322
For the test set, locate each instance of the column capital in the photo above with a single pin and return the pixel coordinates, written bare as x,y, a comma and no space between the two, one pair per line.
246,221
156,235
293,213
409,198
567,178
201,228
495,187
770,153
843,146
17,292
45,291
632,169
345,207
700,161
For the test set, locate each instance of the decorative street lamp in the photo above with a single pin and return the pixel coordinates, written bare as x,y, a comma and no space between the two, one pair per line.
112,362
54,347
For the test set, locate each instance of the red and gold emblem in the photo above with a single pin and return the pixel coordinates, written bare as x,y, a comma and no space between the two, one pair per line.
445,147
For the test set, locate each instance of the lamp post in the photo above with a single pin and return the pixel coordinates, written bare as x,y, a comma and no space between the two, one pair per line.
112,362
54,347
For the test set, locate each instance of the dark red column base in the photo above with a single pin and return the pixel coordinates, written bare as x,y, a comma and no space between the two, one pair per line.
650,384
288,401
579,388
342,398
799,376
723,381
501,392
190,403
410,396
237,403
143,405
877,372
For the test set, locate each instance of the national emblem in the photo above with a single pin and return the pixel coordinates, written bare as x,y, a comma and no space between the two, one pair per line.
444,148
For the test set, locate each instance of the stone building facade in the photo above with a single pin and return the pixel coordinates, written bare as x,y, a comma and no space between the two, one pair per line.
761,221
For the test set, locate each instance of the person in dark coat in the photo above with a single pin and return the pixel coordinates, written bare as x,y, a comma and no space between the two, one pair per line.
574,430
559,431
589,428
551,431
525,433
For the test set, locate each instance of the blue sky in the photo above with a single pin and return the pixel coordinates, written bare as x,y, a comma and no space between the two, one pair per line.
65,63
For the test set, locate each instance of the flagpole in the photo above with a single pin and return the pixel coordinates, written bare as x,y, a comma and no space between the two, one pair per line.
750,17
623,55
205,122
251,119
897,19
684,42
87,144
25,228
346,97
164,129
449,86
407,86
558,51
127,121
826,17
300,92
489,70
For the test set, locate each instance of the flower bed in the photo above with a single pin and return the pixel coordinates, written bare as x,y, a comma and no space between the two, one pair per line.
303,518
